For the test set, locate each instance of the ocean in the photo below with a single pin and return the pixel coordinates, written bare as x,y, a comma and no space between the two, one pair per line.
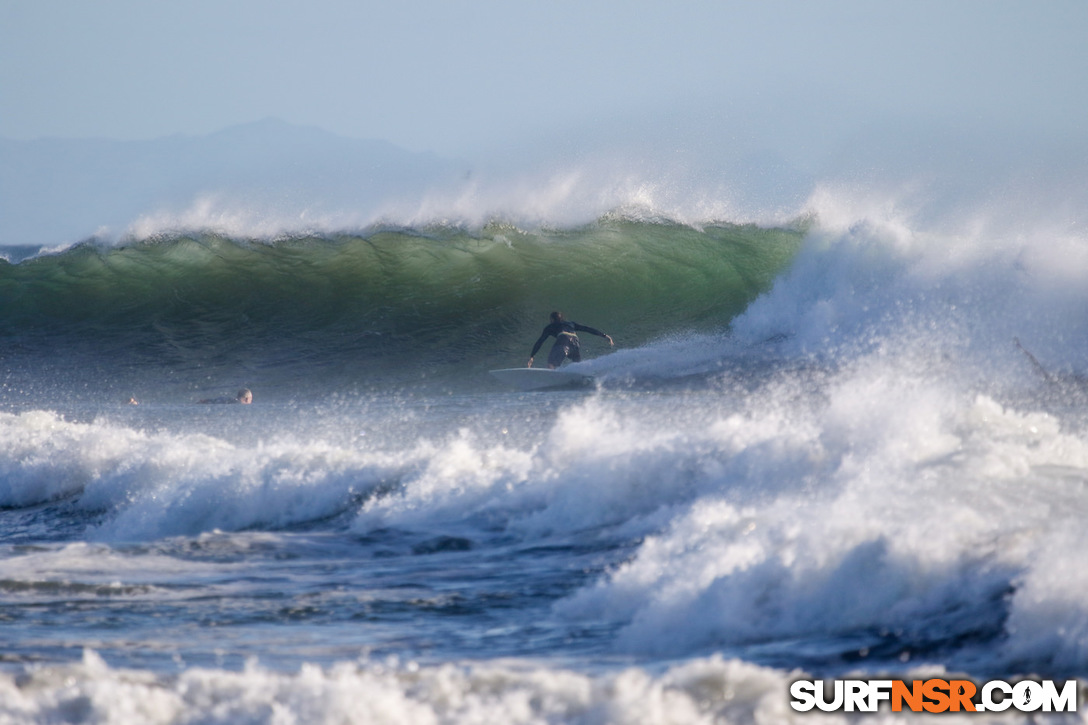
848,440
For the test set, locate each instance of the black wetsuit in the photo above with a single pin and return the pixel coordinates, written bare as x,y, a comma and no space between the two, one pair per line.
566,342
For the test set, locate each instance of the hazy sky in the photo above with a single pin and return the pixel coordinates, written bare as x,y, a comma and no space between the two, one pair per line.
458,77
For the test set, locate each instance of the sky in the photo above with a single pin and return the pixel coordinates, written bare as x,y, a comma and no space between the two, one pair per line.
460,78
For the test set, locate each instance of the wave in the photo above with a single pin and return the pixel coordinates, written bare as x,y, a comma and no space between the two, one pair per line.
383,299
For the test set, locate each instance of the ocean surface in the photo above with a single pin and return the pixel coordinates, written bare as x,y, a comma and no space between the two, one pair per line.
852,439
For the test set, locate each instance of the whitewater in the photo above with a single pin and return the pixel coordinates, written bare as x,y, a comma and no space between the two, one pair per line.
843,434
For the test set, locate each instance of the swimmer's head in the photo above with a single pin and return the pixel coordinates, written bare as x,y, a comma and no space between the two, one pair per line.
245,396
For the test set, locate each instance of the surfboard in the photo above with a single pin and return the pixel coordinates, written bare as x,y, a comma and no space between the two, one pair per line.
541,378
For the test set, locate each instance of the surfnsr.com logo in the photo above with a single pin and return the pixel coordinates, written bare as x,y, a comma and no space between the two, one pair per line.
933,695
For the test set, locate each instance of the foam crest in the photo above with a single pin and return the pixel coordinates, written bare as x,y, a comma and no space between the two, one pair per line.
161,484
916,510
1048,623
272,486
220,214
701,691
600,464
44,457
458,477
576,194
881,271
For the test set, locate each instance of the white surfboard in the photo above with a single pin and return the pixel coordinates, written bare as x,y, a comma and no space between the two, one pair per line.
541,378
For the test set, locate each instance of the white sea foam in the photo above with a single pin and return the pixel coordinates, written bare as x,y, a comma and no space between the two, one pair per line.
161,484
710,690
913,510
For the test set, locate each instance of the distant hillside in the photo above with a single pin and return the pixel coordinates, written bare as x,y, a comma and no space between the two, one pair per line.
58,191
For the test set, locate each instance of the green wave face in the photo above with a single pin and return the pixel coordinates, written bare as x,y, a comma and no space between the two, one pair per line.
384,301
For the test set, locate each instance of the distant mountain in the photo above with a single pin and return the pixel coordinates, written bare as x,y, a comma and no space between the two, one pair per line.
58,191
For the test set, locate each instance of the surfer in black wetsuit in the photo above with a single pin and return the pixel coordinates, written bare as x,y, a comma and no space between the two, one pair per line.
566,341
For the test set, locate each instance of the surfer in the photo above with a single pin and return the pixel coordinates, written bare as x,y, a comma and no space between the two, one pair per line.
244,396
566,341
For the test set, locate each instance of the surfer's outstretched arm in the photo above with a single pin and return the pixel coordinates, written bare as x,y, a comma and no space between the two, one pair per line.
593,331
